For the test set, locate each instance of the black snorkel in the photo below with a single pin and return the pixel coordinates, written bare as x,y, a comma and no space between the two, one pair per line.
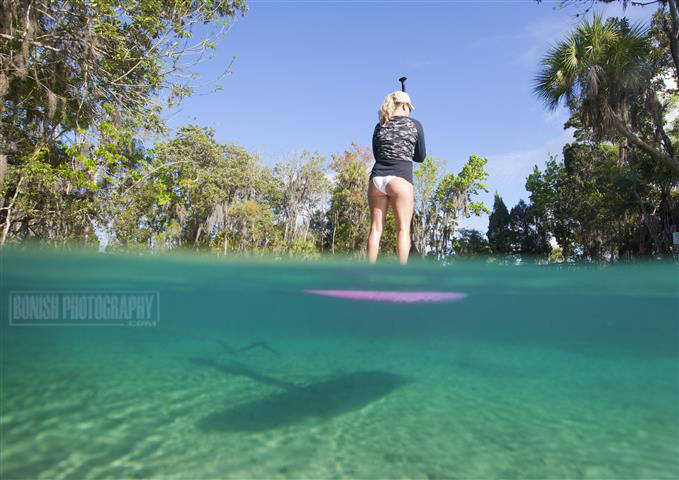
403,83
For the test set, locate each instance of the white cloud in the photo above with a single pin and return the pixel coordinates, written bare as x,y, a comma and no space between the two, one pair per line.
548,30
532,55
506,168
559,115
541,36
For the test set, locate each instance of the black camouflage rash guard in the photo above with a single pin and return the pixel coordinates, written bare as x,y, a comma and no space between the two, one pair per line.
396,146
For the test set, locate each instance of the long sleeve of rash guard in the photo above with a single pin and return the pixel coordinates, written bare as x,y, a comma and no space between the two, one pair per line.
420,148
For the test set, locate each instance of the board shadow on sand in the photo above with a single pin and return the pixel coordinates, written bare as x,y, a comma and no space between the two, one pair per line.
295,404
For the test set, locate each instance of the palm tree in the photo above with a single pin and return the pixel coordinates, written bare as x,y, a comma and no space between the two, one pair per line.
601,70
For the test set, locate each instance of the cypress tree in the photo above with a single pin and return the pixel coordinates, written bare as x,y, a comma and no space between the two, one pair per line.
499,228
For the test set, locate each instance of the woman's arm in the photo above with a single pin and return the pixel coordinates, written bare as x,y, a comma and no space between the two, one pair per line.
420,149
375,141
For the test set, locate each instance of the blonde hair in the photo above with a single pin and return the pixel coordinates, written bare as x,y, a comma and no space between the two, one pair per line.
389,106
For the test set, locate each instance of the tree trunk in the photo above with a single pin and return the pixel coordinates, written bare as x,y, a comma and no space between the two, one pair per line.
8,216
334,229
648,221
672,32
287,226
622,151
3,168
671,162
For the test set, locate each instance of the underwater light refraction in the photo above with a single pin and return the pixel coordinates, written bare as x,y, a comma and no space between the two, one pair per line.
395,297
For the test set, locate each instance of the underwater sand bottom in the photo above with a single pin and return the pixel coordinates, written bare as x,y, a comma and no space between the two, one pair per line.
465,411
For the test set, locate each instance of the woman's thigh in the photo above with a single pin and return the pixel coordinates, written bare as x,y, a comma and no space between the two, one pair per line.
401,194
379,203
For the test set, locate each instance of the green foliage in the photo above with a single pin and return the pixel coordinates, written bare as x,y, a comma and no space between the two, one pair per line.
599,67
529,236
587,203
349,213
302,184
615,194
49,199
304,249
188,186
499,228
451,200
426,176
471,243
78,82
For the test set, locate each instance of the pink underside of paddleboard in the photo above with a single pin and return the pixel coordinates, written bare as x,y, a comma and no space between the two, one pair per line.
395,297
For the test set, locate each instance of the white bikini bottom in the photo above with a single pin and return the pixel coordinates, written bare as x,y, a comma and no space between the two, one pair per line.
381,182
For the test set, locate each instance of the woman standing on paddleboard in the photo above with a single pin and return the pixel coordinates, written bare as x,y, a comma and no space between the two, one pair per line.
398,141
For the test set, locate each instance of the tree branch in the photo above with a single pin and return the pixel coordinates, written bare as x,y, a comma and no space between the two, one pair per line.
671,162
41,45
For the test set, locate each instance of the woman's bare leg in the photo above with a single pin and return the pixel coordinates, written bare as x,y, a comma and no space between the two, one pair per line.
402,196
379,203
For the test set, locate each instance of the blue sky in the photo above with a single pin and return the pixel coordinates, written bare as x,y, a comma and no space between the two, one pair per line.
310,75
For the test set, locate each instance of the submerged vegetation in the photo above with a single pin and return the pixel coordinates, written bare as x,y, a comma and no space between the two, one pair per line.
85,157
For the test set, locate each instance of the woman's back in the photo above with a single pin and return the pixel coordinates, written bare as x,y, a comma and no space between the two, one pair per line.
397,144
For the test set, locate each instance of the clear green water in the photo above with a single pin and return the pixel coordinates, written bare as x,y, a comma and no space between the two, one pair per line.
540,373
